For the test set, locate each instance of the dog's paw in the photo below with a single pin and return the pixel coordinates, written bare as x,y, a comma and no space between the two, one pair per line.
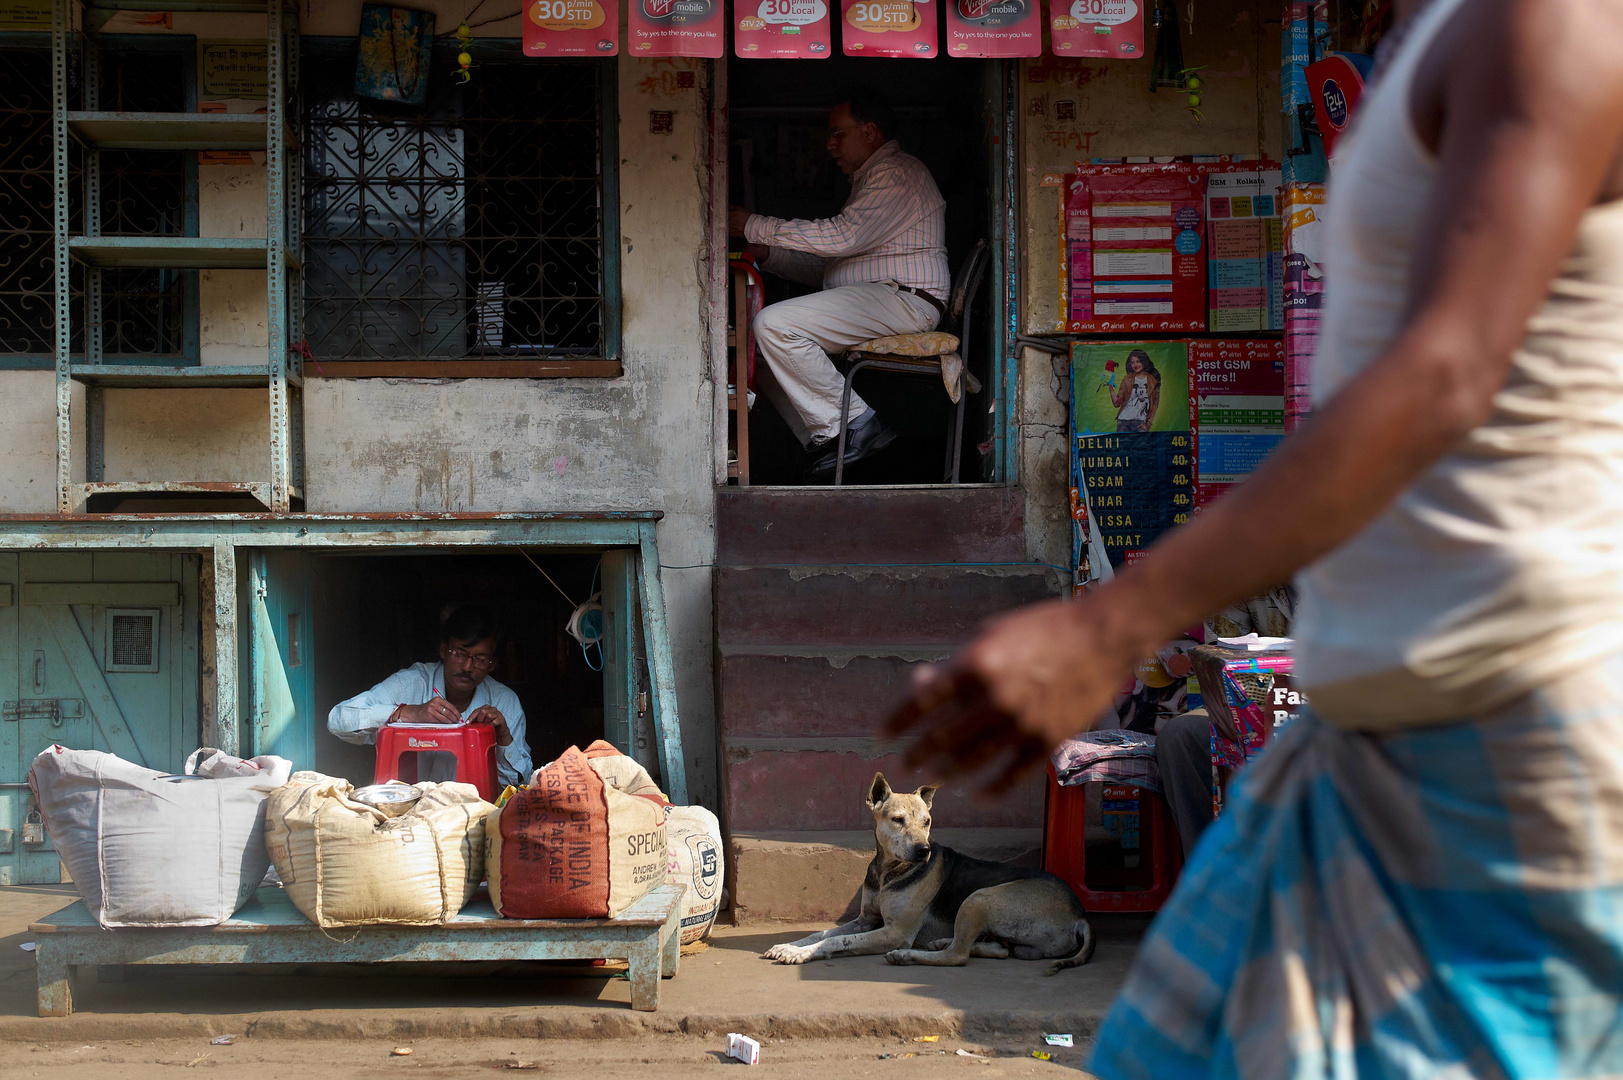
902,957
790,954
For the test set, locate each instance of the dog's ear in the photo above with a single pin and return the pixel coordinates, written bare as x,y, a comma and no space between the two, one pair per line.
927,793
880,791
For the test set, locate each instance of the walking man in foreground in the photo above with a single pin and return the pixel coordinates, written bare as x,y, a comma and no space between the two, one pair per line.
1423,877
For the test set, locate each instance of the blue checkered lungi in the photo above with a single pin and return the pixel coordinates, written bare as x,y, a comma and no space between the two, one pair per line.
1444,902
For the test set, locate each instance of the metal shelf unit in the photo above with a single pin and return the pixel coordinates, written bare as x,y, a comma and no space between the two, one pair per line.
282,373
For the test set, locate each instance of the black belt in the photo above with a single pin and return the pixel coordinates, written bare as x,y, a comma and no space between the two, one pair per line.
940,308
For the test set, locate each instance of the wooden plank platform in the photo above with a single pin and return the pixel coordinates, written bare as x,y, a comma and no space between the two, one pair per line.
270,930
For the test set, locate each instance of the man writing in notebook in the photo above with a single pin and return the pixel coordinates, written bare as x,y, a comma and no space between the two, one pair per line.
458,689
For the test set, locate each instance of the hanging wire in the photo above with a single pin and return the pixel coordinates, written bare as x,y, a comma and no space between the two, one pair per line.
483,22
548,576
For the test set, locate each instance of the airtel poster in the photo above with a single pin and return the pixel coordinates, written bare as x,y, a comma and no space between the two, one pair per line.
675,28
994,28
1113,28
1135,249
894,28
571,28
782,29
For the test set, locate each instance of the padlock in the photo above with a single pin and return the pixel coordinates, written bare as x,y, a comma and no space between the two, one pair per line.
33,828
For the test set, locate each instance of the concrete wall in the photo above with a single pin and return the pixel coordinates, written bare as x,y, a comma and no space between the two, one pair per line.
642,441
1116,115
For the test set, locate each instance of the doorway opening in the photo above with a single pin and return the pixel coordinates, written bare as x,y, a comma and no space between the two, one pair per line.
325,627
778,165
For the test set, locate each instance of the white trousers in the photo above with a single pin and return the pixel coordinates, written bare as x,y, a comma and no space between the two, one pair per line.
795,338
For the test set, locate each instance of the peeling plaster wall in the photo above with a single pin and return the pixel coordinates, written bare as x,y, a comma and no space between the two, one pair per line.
1117,115
642,441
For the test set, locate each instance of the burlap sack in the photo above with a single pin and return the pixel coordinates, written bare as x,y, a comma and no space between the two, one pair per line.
148,849
573,846
622,772
345,863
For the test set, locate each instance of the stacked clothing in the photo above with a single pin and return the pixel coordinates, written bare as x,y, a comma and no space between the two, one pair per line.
1113,756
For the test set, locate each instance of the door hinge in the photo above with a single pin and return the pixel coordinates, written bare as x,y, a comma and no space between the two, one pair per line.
55,710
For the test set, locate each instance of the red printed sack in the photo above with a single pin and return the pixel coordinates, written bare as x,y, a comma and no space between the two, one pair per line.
574,847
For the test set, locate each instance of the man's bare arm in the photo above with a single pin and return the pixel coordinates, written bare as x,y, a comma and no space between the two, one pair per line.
1532,120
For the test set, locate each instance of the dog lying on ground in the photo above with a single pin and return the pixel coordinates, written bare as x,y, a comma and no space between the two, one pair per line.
962,907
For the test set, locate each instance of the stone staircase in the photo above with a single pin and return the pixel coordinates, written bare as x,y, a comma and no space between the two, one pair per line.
825,601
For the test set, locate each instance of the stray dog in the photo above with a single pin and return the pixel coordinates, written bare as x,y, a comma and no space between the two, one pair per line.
962,907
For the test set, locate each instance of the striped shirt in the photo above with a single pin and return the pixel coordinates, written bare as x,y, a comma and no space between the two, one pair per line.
893,228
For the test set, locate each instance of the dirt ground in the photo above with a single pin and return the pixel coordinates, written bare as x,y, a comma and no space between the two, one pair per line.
665,1057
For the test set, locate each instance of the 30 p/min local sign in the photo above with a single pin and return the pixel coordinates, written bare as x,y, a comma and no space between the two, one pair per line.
1113,28
779,29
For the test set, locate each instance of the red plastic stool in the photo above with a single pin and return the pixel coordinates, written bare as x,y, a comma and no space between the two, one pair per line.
473,745
1143,888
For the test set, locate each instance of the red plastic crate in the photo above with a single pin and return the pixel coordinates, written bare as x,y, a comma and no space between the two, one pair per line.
1134,889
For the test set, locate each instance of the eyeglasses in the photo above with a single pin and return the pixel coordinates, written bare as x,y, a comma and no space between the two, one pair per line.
463,656
840,133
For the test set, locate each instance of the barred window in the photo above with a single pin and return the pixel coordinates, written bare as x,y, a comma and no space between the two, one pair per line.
148,314
478,226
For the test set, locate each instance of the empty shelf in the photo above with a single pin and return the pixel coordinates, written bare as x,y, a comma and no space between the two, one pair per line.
170,131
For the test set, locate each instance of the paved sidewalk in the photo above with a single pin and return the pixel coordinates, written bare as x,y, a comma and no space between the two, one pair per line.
726,987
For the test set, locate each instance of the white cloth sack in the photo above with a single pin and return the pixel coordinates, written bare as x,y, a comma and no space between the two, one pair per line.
146,849
694,849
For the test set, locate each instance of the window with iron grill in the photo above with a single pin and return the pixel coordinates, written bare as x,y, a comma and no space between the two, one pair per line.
147,314
479,225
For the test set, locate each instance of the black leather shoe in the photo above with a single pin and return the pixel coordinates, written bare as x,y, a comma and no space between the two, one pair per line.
861,441
814,451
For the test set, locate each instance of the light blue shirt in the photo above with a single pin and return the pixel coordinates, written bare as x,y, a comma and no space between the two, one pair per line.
358,719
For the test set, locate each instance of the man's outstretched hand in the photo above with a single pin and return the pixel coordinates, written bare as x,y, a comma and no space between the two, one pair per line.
1032,680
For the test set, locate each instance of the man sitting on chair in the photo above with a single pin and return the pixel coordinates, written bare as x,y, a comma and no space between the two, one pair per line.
456,690
881,263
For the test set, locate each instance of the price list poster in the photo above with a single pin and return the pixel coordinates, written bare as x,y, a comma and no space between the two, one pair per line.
1133,456
1239,409
1134,247
1246,260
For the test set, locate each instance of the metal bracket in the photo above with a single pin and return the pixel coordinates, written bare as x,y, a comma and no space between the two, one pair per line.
55,710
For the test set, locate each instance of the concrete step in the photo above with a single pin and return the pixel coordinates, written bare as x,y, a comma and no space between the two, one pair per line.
822,784
769,609
807,876
758,526
832,693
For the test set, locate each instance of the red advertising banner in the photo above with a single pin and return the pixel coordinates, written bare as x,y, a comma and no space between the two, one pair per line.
778,29
675,28
1134,249
994,28
896,28
1112,28
571,28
